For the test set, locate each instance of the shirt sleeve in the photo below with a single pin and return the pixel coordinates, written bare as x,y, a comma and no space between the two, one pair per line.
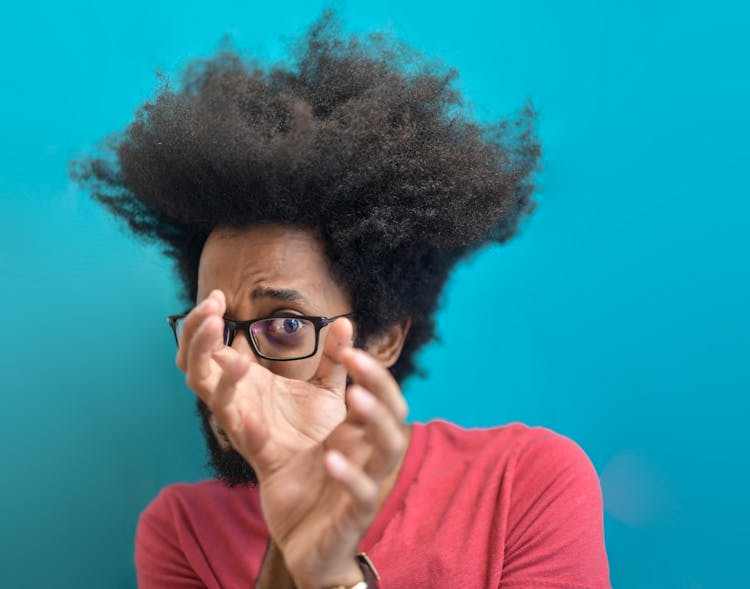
555,536
160,562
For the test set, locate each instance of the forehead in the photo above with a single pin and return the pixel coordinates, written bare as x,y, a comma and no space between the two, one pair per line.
260,258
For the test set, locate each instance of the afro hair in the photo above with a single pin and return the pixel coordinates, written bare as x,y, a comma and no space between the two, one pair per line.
357,137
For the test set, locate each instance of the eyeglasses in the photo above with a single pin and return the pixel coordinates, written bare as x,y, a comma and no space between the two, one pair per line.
280,337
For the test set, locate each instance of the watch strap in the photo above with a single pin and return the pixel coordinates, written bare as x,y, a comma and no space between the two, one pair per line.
369,572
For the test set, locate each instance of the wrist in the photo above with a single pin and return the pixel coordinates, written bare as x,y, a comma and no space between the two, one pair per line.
273,573
370,576
346,576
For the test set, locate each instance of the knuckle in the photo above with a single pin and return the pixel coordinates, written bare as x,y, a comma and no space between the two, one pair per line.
192,381
369,495
396,444
402,409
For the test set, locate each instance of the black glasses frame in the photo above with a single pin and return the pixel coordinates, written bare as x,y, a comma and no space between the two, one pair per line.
234,326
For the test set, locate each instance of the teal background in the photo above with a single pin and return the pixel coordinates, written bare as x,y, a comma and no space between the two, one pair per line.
619,317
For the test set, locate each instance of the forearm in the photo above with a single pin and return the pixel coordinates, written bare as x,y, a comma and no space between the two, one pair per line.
273,573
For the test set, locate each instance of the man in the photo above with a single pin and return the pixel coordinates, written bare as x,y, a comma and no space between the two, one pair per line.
314,214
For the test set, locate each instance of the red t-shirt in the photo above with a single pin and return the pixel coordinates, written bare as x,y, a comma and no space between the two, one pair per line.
505,507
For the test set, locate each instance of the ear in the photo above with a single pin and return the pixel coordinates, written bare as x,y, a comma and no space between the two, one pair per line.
387,345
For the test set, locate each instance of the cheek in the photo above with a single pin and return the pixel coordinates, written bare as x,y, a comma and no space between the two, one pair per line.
296,370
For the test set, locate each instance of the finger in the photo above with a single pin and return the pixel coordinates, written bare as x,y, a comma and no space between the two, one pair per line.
202,372
362,488
377,379
383,431
225,355
214,304
331,373
234,404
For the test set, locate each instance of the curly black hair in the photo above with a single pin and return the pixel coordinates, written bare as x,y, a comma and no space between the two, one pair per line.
360,138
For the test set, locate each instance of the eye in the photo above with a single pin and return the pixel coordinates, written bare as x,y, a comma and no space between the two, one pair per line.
283,331
285,326
284,337
292,325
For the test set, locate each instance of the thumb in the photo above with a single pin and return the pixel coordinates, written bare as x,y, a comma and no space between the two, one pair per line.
331,373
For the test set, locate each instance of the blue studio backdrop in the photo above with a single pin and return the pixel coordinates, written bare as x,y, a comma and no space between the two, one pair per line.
618,317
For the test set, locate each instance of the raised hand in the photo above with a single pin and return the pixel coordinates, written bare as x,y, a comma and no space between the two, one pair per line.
285,405
322,467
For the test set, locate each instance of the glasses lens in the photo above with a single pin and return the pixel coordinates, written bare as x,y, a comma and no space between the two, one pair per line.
178,325
284,338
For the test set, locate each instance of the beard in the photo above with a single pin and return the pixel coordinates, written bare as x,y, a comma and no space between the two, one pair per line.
226,464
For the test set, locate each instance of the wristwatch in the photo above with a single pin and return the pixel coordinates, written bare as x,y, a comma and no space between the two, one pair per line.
369,572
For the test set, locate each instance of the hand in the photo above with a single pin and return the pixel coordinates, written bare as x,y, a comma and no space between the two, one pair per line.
321,468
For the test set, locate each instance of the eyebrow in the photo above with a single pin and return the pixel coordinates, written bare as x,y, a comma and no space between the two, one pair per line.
280,294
